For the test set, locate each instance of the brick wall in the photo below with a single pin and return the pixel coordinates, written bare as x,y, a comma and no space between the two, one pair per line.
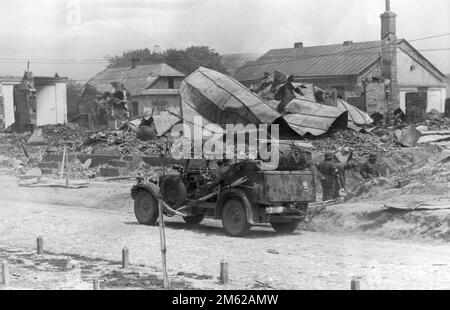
375,98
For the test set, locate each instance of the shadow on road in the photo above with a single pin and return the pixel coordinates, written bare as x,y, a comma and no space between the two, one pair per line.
255,233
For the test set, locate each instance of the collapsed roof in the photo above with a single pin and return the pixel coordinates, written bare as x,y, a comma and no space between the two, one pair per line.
219,100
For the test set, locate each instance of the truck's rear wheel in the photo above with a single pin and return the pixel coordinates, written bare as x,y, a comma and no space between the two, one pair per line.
146,208
234,218
194,220
285,228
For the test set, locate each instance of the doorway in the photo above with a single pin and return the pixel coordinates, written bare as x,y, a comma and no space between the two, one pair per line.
416,106
447,107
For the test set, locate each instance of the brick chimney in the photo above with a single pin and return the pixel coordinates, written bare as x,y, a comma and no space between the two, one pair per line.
389,57
298,44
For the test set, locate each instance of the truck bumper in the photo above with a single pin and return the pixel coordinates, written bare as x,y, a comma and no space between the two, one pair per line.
286,218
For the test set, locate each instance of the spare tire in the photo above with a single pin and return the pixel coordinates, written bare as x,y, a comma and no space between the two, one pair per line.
174,191
146,133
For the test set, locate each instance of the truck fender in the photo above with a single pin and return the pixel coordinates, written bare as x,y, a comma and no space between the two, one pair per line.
152,188
235,193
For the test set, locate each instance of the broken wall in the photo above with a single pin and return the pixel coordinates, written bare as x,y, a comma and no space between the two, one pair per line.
8,104
24,107
375,98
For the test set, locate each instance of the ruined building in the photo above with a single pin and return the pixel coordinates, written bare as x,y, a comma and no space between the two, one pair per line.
30,101
376,76
154,87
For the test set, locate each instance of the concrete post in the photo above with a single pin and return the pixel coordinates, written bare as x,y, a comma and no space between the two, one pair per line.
40,245
223,272
5,273
125,258
355,285
97,285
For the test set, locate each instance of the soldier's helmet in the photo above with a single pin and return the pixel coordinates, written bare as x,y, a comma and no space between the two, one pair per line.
373,156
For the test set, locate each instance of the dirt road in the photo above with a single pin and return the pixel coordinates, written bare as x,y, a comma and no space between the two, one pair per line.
304,260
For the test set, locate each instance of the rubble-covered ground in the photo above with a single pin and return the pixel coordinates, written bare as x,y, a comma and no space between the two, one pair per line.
77,140
413,174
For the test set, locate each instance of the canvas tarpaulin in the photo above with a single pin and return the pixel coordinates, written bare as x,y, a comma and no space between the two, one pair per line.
221,100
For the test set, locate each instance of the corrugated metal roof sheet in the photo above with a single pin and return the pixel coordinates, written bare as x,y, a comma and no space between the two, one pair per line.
135,80
314,61
165,121
311,117
222,100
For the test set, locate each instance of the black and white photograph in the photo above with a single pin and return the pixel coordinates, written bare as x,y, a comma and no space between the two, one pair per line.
243,147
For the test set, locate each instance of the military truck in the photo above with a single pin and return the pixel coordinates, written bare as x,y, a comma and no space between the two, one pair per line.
248,193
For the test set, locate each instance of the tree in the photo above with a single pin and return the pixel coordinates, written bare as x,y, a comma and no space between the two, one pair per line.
74,92
186,61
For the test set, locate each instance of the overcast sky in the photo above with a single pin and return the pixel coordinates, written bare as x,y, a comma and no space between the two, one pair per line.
56,29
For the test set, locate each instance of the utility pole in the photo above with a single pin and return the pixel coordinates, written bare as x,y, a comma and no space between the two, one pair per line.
161,221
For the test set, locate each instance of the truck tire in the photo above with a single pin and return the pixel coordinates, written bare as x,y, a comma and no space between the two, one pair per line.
194,220
285,228
234,218
174,191
146,208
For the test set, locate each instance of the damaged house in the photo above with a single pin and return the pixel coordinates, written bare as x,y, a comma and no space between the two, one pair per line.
379,76
153,87
30,101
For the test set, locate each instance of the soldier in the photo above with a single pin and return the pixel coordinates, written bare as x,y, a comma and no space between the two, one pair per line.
223,174
147,120
372,177
370,170
330,177
344,161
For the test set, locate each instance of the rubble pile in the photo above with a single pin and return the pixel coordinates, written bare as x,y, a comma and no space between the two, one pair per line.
16,154
57,136
362,144
117,142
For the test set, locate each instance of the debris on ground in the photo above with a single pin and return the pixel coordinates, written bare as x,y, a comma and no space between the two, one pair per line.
41,182
416,207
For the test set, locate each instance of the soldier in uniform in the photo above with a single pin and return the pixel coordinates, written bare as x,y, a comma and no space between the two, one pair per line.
330,177
370,170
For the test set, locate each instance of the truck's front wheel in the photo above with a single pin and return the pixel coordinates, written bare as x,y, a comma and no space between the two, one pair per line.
146,208
285,228
234,218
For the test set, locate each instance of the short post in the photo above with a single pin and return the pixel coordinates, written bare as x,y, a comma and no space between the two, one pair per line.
67,180
125,258
63,163
223,272
40,245
355,286
5,273
96,285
